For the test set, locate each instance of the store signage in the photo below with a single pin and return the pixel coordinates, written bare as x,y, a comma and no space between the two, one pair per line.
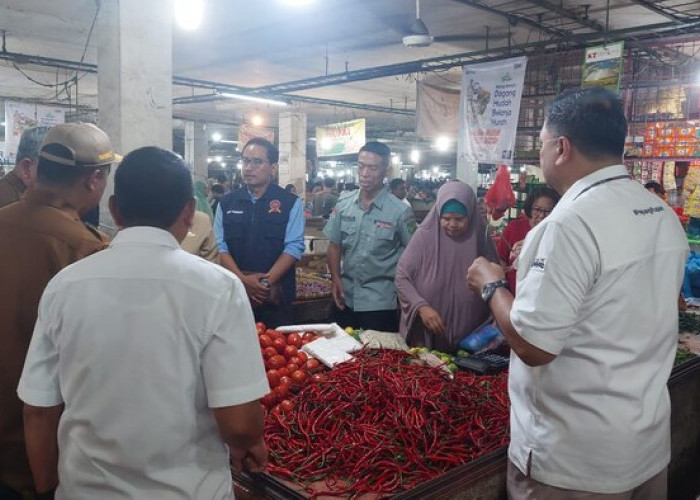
489,109
247,132
340,138
19,116
602,66
437,112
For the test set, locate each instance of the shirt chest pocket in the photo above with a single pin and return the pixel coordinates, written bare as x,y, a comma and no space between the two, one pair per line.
382,240
274,228
348,233
234,223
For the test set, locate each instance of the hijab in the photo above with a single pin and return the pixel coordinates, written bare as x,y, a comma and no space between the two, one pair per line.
200,195
432,271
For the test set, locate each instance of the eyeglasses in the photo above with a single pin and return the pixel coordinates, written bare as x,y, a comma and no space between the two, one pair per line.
255,162
541,211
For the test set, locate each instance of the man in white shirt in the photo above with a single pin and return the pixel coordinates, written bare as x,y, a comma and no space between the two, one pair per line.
594,326
143,374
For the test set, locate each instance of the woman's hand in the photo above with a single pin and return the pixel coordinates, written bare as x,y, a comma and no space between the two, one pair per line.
515,251
432,320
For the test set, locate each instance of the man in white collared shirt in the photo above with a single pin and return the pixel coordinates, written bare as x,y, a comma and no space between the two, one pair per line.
143,374
594,327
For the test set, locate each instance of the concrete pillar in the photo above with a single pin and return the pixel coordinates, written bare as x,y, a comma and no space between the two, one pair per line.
292,145
197,149
467,171
134,59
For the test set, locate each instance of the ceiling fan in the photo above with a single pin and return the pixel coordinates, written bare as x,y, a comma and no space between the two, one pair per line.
419,35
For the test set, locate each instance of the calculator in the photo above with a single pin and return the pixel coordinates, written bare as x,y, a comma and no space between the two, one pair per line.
483,364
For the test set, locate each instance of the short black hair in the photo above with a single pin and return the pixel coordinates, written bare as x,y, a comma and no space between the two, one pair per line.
329,182
655,186
273,154
396,183
593,119
536,194
217,189
141,205
56,174
289,187
378,148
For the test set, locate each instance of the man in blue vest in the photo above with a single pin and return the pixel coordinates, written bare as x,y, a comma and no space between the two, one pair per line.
259,229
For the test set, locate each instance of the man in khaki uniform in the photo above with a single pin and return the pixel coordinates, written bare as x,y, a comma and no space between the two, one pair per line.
23,176
368,231
40,235
200,239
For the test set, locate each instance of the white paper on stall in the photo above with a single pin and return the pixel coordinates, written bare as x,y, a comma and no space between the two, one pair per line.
326,351
344,342
320,328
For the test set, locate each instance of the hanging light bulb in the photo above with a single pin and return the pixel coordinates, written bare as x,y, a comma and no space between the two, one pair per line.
415,156
189,13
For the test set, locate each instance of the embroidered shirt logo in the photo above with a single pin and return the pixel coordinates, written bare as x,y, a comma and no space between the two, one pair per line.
538,264
234,212
275,207
384,225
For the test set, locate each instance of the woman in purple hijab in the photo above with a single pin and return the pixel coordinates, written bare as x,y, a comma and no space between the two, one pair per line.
437,308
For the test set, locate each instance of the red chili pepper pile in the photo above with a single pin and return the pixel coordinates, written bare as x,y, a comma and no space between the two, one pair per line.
384,424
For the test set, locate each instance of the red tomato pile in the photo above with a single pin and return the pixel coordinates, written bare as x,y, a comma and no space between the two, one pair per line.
286,364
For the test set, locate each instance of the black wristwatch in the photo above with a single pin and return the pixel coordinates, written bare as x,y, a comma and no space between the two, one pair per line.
490,288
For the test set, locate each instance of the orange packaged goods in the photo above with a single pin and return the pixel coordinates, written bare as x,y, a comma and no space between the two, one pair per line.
685,132
667,132
648,150
650,133
683,151
664,151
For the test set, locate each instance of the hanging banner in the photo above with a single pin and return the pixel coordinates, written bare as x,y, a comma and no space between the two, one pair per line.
247,132
437,112
489,109
602,66
19,116
340,138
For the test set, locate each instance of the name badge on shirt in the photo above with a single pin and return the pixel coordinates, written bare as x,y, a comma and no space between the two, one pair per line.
538,264
383,225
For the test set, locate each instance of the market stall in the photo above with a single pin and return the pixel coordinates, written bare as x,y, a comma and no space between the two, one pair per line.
313,301
386,425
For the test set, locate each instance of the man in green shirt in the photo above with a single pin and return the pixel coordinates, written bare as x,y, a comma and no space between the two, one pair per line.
368,230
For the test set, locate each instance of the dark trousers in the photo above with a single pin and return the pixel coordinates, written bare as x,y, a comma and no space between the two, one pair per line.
7,493
383,321
274,315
